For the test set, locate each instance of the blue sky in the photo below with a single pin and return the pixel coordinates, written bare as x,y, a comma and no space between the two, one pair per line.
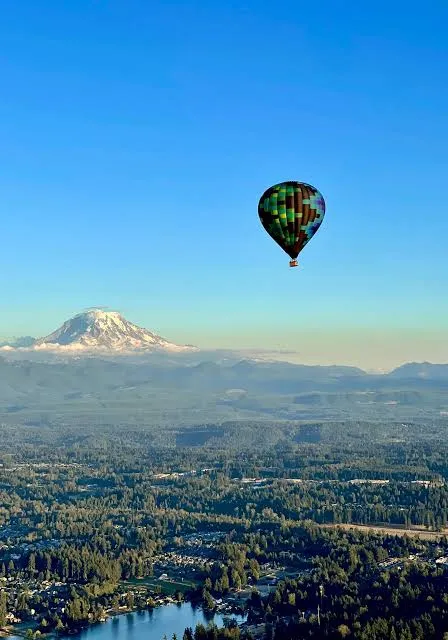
136,138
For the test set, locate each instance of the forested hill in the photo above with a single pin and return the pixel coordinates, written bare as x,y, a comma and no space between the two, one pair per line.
179,391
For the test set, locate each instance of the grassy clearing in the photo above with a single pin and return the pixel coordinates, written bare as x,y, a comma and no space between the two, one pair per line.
392,531
167,587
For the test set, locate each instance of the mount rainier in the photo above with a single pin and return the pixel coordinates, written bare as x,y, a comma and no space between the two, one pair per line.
104,331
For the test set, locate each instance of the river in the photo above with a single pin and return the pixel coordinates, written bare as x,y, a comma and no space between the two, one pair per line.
152,624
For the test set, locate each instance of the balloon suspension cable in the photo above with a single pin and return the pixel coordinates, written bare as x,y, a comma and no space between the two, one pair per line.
293,263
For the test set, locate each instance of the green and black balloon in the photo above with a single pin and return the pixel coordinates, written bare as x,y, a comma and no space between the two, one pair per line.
291,212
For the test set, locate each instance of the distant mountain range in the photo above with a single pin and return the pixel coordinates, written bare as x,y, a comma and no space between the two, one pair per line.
17,343
422,371
97,330
175,391
99,368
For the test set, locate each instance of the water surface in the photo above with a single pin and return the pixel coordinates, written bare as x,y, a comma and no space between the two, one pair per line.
153,624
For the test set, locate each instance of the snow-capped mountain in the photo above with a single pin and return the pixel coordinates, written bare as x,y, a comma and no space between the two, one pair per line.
106,331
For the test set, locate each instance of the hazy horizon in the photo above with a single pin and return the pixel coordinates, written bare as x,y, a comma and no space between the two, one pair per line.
369,348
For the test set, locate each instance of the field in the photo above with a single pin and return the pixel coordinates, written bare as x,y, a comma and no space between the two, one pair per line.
393,531
168,587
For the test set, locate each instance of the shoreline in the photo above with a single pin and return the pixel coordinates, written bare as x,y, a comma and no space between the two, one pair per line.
21,629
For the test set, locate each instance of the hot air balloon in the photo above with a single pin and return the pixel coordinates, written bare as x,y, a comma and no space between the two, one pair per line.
291,212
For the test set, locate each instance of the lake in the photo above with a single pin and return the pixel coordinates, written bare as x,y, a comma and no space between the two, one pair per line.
152,625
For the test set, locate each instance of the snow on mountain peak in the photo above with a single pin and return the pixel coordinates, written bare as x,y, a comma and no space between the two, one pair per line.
99,330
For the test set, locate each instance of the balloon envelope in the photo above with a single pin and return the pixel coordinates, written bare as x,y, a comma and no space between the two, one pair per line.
291,212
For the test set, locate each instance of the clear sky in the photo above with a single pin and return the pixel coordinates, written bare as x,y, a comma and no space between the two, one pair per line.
136,138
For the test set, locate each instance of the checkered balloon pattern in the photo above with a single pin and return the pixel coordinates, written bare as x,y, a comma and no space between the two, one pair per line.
291,212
